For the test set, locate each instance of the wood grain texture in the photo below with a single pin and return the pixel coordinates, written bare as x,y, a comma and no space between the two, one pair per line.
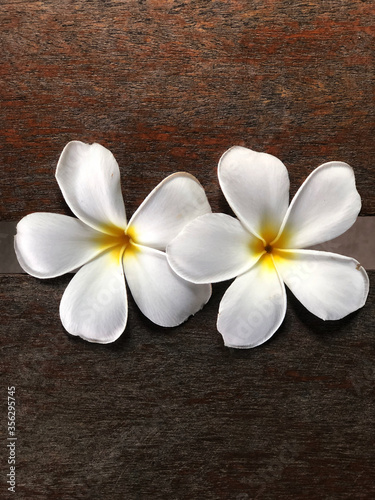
169,86
174,414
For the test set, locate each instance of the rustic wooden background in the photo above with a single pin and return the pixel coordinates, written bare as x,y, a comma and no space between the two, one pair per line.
169,86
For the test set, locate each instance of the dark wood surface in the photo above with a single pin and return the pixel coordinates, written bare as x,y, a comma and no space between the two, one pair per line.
169,86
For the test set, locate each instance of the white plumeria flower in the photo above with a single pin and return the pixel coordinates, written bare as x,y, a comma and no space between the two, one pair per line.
104,247
263,247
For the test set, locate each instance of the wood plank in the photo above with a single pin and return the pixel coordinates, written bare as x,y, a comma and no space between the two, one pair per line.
174,414
170,86
358,242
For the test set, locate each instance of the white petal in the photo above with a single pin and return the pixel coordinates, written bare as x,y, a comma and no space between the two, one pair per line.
49,245
328,285
256,186
94,305
162,296
174,202
253,307
89,178
213,247
325,206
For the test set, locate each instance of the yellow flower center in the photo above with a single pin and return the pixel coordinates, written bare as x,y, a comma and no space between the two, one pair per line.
267,248
119,242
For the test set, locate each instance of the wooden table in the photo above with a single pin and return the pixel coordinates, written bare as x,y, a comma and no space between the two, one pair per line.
169,86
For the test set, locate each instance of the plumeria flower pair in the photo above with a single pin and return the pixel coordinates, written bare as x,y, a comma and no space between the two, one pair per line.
173,247
106,249
265,246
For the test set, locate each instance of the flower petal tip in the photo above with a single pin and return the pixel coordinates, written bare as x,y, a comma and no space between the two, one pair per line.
110,340
194,309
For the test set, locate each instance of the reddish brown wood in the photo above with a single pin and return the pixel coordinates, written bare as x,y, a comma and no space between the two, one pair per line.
170,86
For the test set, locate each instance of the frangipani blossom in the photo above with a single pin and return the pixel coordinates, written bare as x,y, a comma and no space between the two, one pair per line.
263,248
105,248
